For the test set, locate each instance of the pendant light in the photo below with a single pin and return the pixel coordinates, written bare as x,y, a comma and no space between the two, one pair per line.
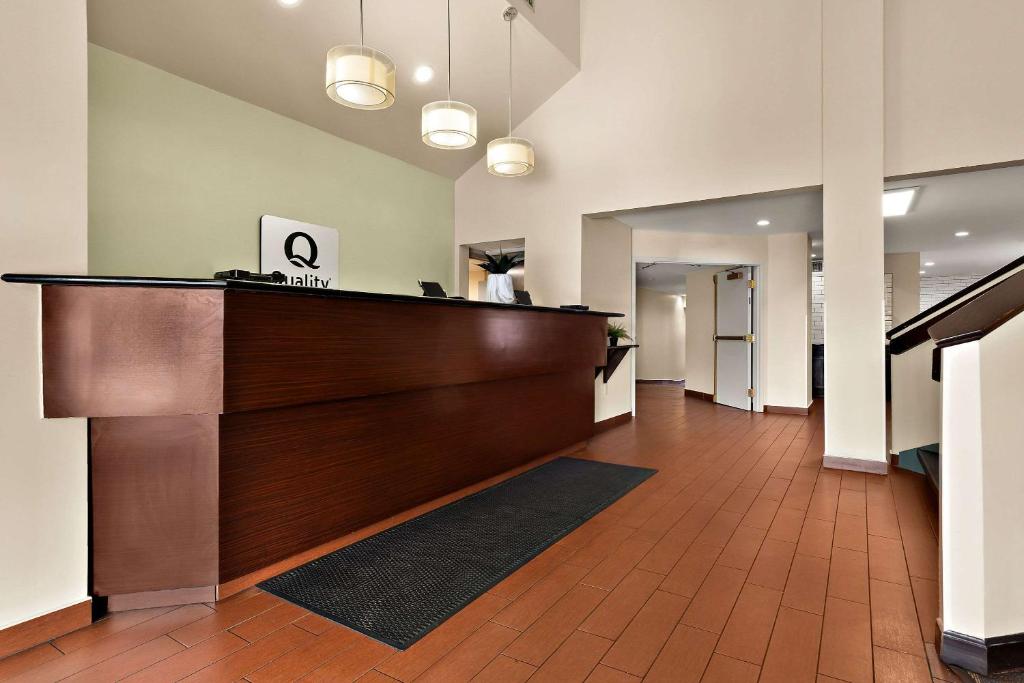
359,76
510,157
447,124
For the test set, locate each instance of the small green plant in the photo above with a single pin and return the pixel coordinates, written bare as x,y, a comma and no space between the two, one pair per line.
616,331
502,264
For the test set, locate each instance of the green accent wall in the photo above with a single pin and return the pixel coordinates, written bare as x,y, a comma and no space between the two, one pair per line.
179,176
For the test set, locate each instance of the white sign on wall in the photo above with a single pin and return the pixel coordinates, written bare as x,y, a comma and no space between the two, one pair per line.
307,254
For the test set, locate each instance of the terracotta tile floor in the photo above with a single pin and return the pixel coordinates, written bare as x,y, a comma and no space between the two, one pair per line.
741,560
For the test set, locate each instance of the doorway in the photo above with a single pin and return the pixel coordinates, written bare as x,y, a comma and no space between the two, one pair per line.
720,310
475,278
734,337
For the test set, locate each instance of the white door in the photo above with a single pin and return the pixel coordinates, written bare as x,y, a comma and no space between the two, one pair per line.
734,338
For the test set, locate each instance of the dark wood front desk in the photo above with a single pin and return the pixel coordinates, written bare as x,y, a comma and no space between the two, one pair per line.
234,425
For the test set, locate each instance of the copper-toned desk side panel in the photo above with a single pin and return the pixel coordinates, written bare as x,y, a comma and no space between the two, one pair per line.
283,349
154,503
115,351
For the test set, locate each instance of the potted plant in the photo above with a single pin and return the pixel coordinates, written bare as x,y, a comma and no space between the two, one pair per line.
615,333
499,282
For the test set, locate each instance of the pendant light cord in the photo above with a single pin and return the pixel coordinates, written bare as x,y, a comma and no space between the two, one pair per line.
361,41
449,50
510,77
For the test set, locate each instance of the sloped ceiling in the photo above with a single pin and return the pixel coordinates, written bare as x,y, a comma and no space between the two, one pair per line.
273,57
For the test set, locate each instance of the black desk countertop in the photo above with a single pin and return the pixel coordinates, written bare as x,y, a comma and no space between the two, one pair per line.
245,286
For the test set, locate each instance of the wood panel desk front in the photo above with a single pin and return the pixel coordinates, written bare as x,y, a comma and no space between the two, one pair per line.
235,425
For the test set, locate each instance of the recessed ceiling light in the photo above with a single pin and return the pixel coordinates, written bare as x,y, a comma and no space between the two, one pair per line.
929,264
763,223
898,202
962,233
423,74
921,272
288,3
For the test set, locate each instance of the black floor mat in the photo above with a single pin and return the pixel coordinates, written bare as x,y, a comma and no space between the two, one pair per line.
400,584
971,677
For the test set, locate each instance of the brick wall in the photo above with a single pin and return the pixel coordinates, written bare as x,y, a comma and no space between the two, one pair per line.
888,301
818,308
938,287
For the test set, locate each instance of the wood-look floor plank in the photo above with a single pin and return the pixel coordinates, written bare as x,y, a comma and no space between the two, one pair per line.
117,643
110,624
128,663
26,660
190,660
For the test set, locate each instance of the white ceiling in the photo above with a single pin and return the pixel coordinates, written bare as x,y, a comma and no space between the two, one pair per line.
499,246
273,57
989,204
790,212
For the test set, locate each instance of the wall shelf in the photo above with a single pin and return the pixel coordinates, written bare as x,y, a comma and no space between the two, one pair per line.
615,356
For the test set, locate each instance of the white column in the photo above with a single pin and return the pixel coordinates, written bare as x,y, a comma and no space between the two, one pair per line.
982,538
963,492
852,172
43,192
606,284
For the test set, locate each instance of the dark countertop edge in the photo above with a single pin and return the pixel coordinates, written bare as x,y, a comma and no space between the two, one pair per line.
241,285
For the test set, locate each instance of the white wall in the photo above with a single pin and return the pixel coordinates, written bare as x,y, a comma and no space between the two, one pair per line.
661,334
914,407
606,285
786,321
684,128
42,230
784,346
682,100
916,402
700,330
906,285
947,66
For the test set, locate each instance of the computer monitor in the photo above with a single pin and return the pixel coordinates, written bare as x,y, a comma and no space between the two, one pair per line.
523,297
433,289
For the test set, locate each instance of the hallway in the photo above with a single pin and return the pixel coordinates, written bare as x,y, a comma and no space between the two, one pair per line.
741,560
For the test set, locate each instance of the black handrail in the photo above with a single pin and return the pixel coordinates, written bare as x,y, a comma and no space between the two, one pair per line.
914,331
982,315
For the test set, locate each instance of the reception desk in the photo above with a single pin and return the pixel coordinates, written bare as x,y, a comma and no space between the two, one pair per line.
235,425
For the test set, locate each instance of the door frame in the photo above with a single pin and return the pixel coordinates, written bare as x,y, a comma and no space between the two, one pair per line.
759,347
755,329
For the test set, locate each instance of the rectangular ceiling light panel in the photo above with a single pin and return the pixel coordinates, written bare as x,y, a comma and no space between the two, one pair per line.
898,202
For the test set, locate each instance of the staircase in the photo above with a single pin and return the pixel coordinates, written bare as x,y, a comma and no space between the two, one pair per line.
928,456
915,403
970,345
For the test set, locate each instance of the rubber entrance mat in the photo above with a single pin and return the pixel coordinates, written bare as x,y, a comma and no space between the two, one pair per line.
400,584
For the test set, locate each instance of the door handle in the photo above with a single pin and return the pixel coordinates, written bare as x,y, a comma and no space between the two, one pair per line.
749,338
